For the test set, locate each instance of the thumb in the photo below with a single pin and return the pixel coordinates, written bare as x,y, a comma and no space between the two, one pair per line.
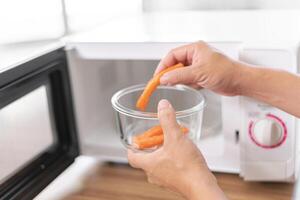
167,119
184,75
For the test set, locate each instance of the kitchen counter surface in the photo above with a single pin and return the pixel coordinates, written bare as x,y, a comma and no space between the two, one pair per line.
119,181
113,181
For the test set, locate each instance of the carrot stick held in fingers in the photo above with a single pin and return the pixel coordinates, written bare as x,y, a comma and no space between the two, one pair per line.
152,137
151,86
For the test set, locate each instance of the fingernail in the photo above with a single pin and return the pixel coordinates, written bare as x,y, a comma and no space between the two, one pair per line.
163,104
164,79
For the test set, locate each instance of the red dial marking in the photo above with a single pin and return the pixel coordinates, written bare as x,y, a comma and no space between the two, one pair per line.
282,124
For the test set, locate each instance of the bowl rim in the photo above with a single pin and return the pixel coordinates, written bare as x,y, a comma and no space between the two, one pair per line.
151,115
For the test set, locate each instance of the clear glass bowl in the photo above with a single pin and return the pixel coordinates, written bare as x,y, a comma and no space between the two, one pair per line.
187,102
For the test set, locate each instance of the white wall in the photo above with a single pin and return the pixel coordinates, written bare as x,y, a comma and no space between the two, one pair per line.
155,5
85,14
30,20
36,20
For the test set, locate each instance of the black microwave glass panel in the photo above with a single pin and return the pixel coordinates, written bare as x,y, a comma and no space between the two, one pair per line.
27,131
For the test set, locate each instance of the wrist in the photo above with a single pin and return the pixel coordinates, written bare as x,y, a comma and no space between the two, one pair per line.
206,189
245,77
201,188
202,184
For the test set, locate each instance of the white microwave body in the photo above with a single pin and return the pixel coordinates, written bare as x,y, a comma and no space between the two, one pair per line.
232,139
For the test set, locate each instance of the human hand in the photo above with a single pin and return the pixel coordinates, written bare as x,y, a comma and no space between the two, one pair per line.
178,165
205,67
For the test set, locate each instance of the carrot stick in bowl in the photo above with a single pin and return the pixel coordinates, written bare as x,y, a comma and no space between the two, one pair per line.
151,86
155,130
145,143
152,137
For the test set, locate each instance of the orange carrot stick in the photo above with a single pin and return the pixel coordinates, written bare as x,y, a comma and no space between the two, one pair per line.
152,137
184,130
153,141
155,130
151,86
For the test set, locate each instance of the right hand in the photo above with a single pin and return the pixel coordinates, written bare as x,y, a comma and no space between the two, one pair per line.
205,68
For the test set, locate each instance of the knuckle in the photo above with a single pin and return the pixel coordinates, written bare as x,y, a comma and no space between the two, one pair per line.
171,53
167,58
201,44
196,70
178,77
175,129
216,56
166,113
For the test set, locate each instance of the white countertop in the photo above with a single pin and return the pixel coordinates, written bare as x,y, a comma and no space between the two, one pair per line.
12,55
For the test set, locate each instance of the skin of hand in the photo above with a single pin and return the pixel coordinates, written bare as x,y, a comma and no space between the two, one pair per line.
208,68
183,169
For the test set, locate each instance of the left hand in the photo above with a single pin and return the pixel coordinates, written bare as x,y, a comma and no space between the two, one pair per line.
178,164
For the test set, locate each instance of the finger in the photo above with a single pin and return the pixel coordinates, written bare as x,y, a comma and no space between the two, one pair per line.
178,55
186,75
195,86
136,160
167,119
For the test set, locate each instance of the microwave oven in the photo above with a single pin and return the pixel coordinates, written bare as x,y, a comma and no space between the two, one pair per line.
58,103
55,105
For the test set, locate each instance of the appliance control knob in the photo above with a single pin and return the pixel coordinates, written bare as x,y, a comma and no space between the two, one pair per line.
267,133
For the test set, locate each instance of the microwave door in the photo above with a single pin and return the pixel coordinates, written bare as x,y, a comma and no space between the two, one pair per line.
38,137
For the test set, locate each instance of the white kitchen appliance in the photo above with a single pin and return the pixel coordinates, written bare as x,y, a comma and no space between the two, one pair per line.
240,135
69,87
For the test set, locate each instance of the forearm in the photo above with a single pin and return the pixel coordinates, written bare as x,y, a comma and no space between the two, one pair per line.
275,87
212,192
202,185
208,191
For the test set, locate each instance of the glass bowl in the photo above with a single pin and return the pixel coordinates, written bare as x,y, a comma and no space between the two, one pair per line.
187,102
